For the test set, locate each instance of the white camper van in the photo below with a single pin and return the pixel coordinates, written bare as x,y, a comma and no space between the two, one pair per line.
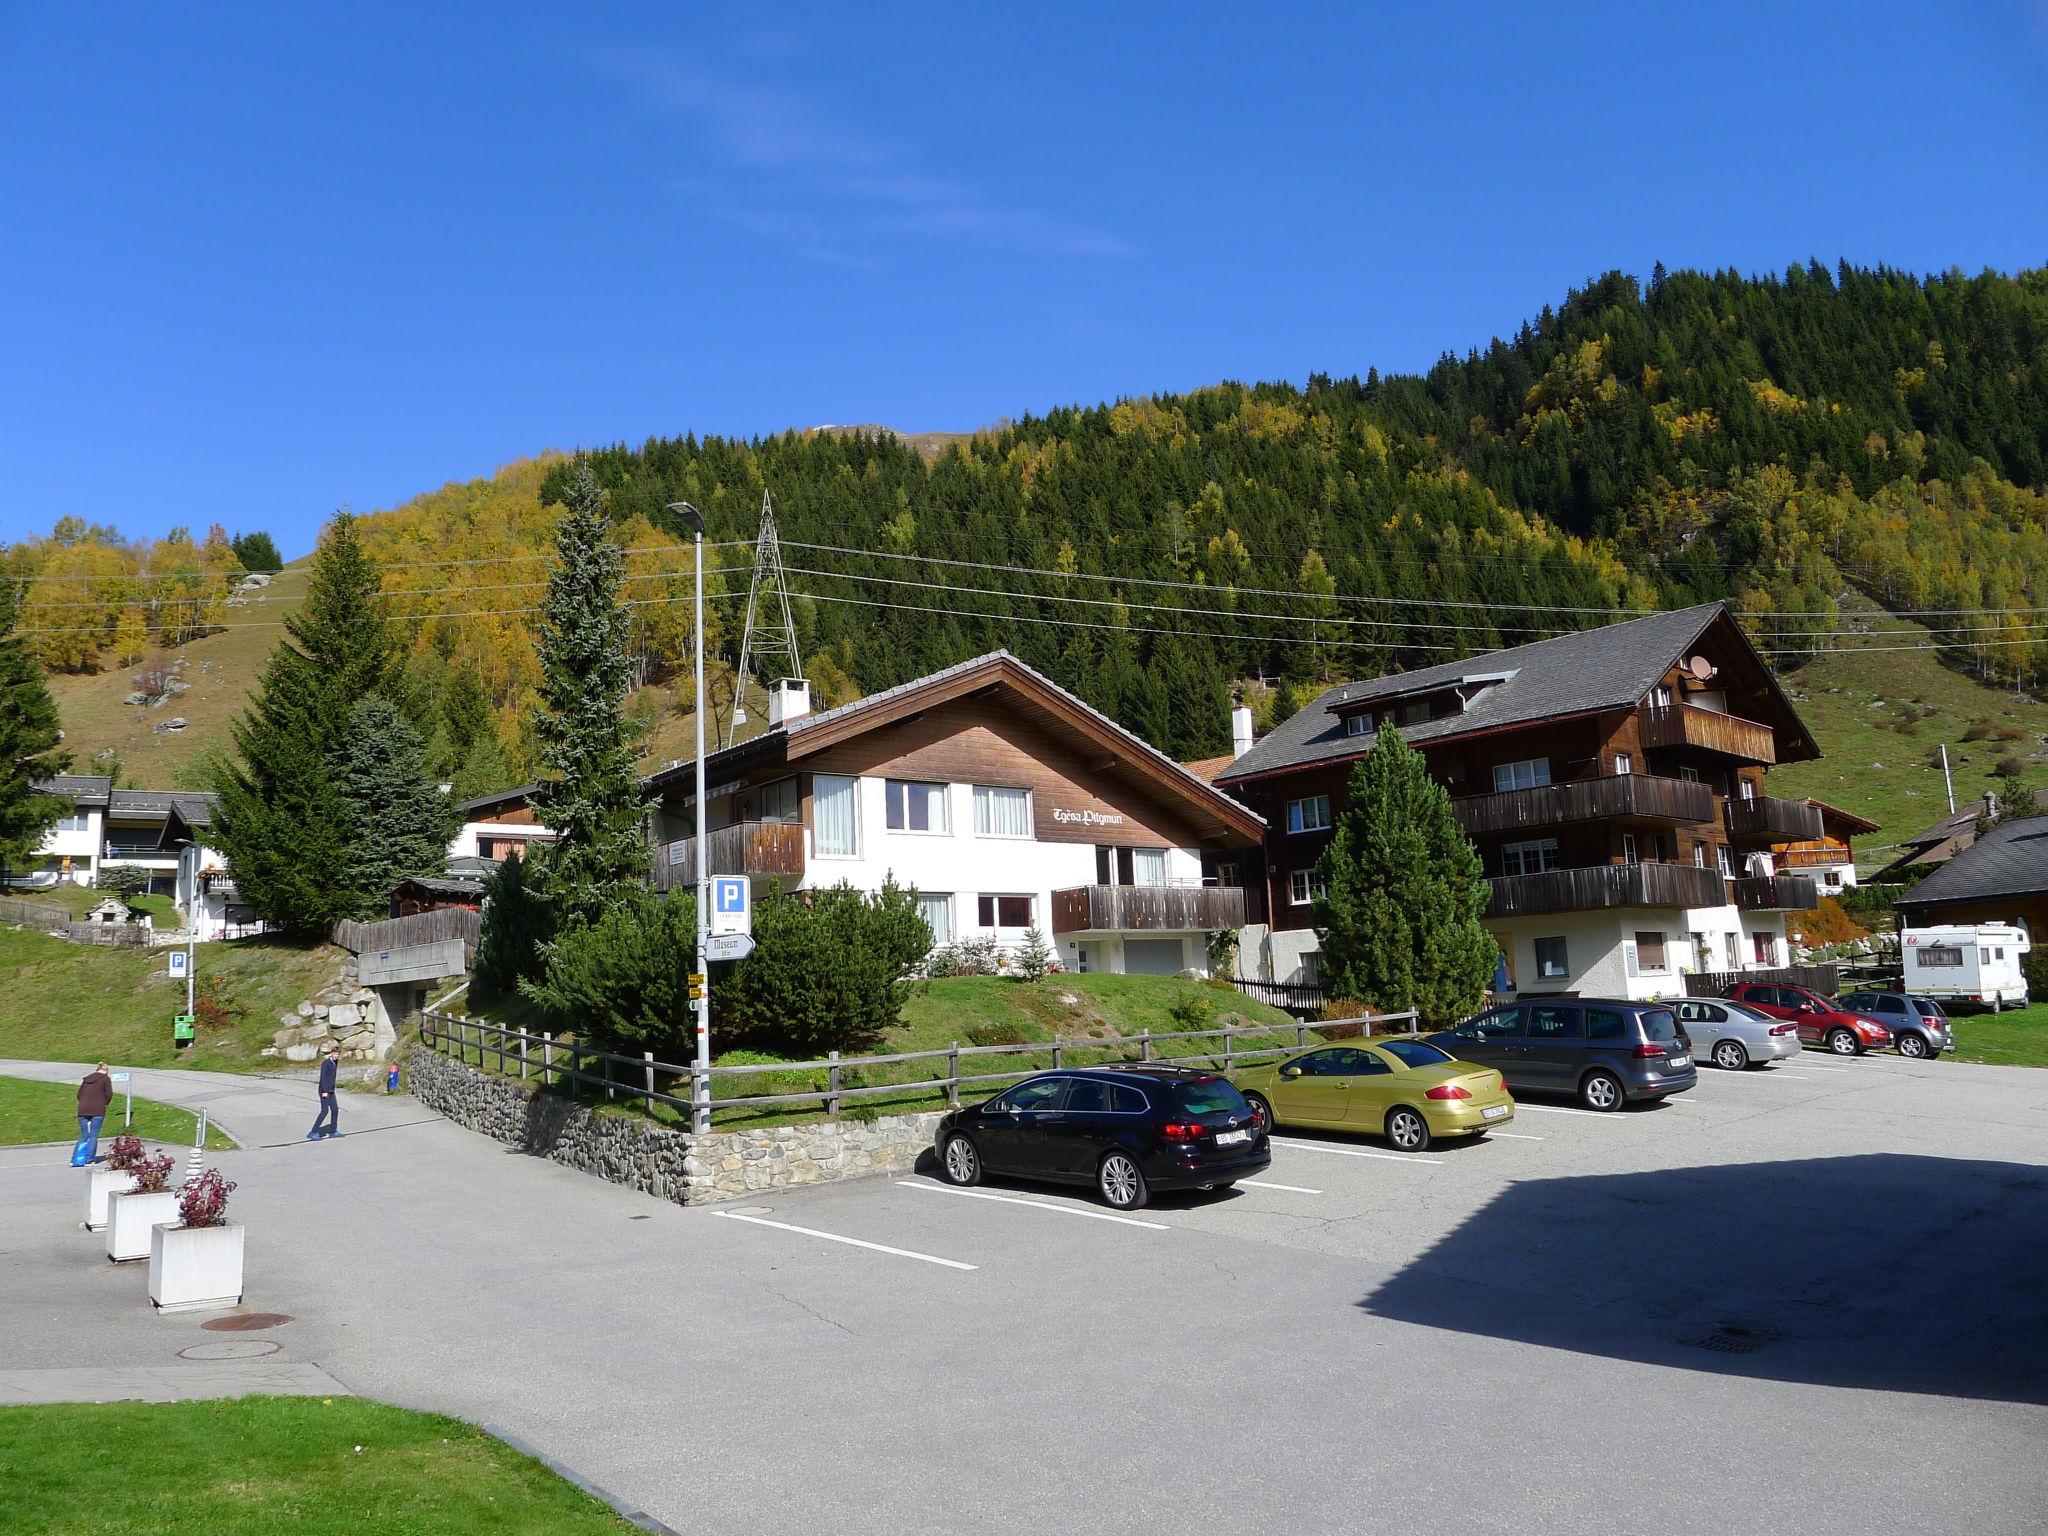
1976,964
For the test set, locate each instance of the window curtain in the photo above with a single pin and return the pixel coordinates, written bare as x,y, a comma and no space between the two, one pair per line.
1002,812
1149,866
937,910
832,820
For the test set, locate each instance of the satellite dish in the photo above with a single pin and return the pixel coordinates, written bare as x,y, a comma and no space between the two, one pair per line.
1701,669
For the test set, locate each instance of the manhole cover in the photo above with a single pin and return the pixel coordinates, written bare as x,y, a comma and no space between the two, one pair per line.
245,1322
231,1349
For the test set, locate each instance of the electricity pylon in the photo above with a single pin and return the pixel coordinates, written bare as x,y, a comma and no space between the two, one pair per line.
769,644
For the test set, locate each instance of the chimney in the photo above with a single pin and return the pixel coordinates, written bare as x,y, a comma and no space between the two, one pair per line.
1990,803
1240,730
789,699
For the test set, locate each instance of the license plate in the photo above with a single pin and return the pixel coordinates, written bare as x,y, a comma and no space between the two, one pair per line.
1493,1112
1679,1061
1230,1138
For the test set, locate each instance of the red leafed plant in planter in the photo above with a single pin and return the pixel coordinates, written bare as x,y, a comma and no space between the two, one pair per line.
124,1152
203,1202
152,1174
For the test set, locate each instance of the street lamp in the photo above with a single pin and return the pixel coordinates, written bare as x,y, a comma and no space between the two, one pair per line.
700,1086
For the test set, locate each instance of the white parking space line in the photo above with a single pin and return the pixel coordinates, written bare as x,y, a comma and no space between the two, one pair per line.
1036,1205
1390,1157
1292,1189
851,1242
1514,1136
1556,1109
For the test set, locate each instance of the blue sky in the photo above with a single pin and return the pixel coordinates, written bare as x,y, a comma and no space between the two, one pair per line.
259,263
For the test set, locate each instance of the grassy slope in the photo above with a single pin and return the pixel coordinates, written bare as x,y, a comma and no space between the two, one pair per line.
33,1112
2015,1039
74,1002
312,1466
1894,777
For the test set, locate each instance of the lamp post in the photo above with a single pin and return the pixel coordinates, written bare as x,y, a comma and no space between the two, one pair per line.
700,1086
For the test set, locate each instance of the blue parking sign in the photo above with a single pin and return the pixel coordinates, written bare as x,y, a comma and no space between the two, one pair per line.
731,905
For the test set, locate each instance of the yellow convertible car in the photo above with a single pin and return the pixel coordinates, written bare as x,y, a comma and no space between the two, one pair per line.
1406,1090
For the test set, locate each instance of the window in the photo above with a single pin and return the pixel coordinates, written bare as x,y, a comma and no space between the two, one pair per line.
1650,953
1941,956
1332,1063
1500,1024
1726,860
1629,855
1523,775
1690,775
779,801
1603,1024
1551,963
1210,1096
77,821
1415,713
1660,697
1529,858
1304,886
1000,812
1553,1023
835,830
1699,855
1745,788
1127,1101
936,908
914,807
1041,1093
1309,815
1702,1013
1413,1053
1148,866
1659,1024
1358,725
1130,866
1087,1097
1004,911
1230,875
1734,945
1766,947
1624,763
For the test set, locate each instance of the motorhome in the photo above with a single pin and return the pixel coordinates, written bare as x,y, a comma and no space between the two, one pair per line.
1977,963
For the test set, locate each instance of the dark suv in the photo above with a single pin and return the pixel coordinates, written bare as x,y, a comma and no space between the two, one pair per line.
1605,1051
1126,1130
1919,1026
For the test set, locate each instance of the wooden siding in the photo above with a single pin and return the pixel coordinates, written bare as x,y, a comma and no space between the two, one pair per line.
744,848
1772,819
1707,730
1776,893
441,926
1605,885
1628,796
1821,856
1143,908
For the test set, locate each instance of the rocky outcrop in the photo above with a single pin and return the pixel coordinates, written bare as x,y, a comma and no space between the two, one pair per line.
343,1013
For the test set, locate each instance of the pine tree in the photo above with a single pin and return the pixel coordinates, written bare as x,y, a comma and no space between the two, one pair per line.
516,928
589,793
1399,921
282,823
257,552
29,738
398,821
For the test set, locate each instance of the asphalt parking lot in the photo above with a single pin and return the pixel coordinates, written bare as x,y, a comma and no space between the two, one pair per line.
1809,1298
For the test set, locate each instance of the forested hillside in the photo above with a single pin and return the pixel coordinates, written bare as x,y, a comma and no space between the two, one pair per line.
1779,441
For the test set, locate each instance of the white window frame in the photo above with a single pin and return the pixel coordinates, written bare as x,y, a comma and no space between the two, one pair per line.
1302,814
985,801
1624,764
1529,773
1699,855
1514,857
852,783
1689,775
1724,857
998,926
1304,886
1630,854
1358,725
938,796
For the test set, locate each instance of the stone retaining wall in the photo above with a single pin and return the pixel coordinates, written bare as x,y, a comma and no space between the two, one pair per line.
670,1165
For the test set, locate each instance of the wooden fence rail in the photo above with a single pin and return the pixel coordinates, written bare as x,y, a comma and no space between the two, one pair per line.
404,932
515,1052
32,914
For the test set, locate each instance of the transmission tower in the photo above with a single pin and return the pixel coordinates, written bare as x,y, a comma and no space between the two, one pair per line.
769,644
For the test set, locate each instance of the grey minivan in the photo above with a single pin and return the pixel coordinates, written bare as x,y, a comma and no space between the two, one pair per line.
1605,1051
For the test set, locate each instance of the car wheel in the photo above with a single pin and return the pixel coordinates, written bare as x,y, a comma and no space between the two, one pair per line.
1264,1110
1843,1042
1407,1130
1730,1055
1122,1182
1913,1045
1601,1092
960,1162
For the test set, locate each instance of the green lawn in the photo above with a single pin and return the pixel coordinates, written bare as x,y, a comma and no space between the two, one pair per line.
2015,1039
77,1002
257,1465
31,1112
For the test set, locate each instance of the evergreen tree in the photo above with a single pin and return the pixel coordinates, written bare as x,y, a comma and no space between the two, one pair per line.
398,822
283,824
29,738
1399,919
516,928
256,552
589,793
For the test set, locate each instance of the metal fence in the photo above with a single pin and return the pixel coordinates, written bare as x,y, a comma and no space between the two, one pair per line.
554,1063
1822,978
1302,997
32,914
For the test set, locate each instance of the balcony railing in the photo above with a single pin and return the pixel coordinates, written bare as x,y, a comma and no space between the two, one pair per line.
1776,893
1813,858
744,848
1688,725
1630,796
149,850
1599,886
1147,908
1788,821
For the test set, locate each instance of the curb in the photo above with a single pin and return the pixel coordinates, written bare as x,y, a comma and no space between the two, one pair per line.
638,1517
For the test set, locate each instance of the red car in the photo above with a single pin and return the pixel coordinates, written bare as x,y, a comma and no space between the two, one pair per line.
1821,1019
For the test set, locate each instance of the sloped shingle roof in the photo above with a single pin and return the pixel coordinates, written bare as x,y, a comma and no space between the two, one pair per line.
2009,860
83,788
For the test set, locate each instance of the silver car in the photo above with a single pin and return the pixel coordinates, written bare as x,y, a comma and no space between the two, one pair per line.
1733,1035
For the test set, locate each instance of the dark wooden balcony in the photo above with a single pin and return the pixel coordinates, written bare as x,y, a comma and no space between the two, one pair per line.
1776,893
744,848
1707,730
1625,796
1779,821
1147,908
1599,886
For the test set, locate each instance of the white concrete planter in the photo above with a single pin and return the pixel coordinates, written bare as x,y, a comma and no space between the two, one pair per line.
129,1218
105,1182
194,1267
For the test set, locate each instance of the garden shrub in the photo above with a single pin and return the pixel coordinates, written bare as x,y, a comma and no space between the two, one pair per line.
152,1174
1189,1010
124,1152
203,1202
1002,1033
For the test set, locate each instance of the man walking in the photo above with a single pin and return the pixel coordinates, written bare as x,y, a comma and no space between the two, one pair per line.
94,1094
330,1110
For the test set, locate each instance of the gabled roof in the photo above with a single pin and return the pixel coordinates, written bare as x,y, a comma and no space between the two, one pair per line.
998,669
1838,821
2009,860
84,789
521,794
1586,671
187,819
1959,821
161,802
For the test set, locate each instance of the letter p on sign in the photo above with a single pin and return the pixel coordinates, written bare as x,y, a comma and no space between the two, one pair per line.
732,905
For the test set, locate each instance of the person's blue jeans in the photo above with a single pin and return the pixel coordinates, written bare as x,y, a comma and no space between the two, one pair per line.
89,1133
330,1114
